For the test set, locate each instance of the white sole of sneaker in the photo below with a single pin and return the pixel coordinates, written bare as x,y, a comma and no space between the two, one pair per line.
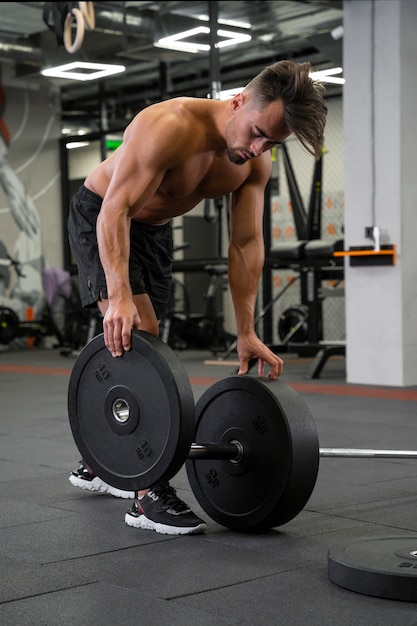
147,524
100,486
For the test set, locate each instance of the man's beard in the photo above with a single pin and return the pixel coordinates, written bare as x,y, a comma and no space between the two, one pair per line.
235,158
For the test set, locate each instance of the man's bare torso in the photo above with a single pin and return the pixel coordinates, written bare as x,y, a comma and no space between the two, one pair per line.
202,176
205,171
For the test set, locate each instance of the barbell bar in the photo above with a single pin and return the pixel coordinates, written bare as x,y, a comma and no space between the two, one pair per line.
233,451
367,453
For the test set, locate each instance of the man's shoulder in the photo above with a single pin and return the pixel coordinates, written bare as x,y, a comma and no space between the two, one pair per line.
170,119
177,106
180,112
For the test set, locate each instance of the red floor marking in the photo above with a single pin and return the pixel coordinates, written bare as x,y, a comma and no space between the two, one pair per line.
207,381
354,390
36,369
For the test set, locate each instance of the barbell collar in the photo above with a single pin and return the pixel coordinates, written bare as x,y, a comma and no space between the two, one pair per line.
368,453
227,451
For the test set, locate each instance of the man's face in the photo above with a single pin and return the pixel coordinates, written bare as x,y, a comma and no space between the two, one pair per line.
252,130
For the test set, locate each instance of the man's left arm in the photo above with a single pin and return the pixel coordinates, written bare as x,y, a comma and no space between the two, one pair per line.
246,259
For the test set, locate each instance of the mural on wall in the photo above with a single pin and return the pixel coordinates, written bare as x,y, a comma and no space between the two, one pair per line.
31,222
27,292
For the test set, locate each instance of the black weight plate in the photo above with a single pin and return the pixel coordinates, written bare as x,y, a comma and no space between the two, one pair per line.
384,567
275,477
289,320
132,417
9,325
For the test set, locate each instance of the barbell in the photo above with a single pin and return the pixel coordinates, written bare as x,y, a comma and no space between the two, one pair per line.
134,421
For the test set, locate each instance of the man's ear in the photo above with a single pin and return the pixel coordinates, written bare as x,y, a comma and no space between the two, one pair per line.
237,101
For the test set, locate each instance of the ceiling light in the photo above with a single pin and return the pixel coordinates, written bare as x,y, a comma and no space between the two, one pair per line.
225,94
176,42
206,18
233,38
76,144
327,76
80,70
337,33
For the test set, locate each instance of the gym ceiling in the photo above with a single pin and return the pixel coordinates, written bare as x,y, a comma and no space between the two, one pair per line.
125,33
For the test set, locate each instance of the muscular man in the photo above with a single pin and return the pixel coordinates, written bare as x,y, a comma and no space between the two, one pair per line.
175,154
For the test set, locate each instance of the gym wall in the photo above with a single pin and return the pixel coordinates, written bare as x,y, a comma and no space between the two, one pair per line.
30,190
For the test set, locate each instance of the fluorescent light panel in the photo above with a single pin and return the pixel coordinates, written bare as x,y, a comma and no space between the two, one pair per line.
206,18
74,71
71,145
233,38
225,94
327,76
176,42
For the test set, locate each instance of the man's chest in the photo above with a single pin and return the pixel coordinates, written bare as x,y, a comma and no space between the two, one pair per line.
206,176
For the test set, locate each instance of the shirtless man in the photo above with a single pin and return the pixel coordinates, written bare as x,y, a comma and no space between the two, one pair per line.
175,154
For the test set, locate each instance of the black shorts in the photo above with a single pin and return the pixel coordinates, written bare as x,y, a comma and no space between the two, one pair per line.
150,262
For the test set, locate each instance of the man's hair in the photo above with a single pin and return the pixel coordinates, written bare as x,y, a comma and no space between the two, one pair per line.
304,106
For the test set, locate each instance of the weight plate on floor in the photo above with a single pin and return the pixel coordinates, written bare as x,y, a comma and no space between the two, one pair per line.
293,324
276,474
9,325
132,417
385,567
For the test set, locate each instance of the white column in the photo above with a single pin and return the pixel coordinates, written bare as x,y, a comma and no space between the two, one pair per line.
380,128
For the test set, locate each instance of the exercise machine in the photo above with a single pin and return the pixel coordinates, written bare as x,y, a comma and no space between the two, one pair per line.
182,329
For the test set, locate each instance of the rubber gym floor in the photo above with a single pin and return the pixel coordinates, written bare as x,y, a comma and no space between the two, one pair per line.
67,556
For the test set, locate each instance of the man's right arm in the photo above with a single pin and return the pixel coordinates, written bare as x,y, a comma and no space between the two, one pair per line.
114,246
136,174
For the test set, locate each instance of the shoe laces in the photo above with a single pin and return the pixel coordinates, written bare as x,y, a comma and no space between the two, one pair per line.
169,499
84,470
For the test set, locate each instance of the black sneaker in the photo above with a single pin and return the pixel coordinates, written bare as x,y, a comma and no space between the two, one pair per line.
161,510
84,478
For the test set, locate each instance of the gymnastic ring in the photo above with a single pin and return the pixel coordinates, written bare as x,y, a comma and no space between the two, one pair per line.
79,32
87,9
